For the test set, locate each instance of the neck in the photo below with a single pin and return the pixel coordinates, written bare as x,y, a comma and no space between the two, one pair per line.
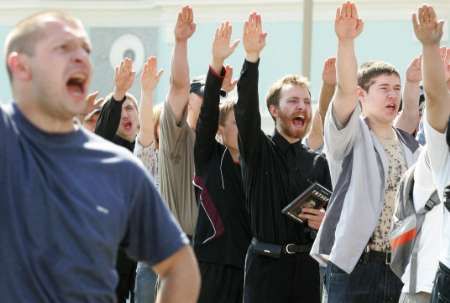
382,130
45,120
289,139
234,154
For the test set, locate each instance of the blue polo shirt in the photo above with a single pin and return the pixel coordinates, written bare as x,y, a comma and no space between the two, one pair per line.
66,202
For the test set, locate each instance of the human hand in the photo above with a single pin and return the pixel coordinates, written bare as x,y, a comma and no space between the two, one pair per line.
329,71
222,48
185,26
427,28
150,75
347,25
123,78
228,83
414,70
313,216
254,39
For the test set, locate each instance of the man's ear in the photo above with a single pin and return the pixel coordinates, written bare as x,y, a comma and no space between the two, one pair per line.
361,93
19,66
273,111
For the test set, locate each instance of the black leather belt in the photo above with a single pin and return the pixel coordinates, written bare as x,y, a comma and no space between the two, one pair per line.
275,250
292,248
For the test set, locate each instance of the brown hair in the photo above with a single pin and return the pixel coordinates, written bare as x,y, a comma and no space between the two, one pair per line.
224,109
372,69
273,95
26,33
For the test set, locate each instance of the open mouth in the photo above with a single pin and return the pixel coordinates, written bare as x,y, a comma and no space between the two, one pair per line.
298,121
76,85
127,125
391,107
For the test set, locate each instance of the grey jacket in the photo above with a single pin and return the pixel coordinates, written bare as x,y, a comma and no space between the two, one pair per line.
358,166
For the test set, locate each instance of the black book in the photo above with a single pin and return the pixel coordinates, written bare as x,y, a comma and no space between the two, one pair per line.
316,196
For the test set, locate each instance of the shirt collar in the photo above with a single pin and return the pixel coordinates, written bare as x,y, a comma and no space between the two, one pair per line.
283,144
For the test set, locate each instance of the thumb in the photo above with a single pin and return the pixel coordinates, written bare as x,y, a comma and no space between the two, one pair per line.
235,44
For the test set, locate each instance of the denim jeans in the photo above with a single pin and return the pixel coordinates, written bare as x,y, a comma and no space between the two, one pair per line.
144,291
369,282
441,289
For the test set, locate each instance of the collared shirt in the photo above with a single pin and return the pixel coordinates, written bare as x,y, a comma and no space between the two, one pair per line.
274,171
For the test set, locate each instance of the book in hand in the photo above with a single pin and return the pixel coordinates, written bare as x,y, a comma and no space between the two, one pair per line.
316,196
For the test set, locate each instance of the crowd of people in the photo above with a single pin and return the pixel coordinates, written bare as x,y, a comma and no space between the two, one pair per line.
111,199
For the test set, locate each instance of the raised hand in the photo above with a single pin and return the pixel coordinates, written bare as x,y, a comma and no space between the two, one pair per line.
347,25
414,71
329,72
123,79
90,102
222,48
427,28
150,76
228,83
185,26
254,38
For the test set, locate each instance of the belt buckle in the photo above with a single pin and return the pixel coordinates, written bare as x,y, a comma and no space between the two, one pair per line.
287,249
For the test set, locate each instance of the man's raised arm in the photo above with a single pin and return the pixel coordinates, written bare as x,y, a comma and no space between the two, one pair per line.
248,118
149,80
179,79
109,119
347,26
409,117
429,32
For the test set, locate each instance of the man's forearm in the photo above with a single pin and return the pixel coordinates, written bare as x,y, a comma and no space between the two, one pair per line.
409,116
179,78
180,282
326,94
347,81
438,107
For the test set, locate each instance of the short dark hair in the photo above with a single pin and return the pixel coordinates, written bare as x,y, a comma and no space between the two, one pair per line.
273,95
26,33
372,69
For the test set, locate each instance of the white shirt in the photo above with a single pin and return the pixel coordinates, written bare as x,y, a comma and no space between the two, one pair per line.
440,166
430,235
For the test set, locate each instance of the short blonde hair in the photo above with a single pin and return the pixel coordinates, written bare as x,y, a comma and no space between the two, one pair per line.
24,36
224,109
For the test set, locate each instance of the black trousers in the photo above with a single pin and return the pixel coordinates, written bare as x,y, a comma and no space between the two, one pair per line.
441,289
221,283
126,269
288,279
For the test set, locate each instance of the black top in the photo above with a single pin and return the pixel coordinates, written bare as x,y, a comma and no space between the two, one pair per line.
274,171
108,123
222,233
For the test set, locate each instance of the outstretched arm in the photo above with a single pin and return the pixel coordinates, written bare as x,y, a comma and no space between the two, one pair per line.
178,96
109,118
347,26
208,121
248,118
429,32
149,80
315,136
408,119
